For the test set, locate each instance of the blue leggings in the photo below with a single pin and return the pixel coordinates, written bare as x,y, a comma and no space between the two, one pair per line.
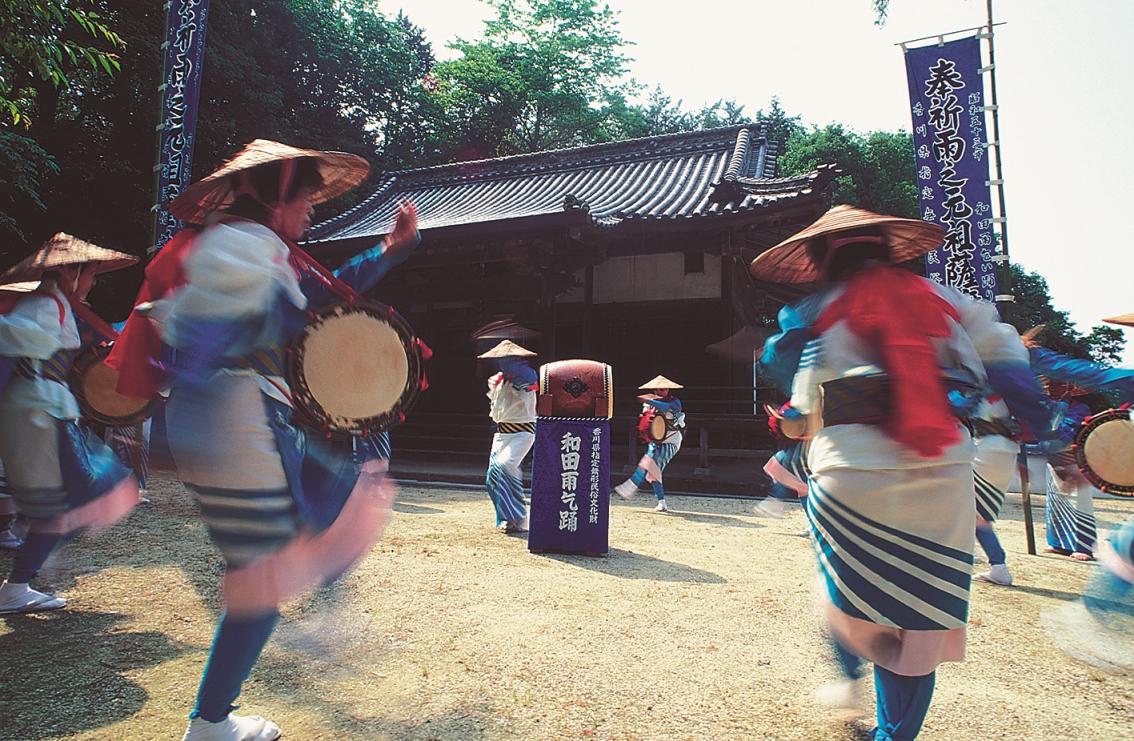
902,704
639,478
986,536
237,645
31,556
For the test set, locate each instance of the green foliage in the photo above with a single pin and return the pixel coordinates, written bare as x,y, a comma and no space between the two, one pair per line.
23,165
43,43
881,9
547,74
878,168
1033,307
1107,344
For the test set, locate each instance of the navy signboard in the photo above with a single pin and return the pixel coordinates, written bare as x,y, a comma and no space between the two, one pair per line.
184,55
947,98
571,486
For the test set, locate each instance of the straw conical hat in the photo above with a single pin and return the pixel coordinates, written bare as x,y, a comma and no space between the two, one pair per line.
660,382
63,249
508,349
1126,320
790,262
340,171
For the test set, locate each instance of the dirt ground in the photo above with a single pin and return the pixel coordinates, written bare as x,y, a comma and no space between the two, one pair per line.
699,624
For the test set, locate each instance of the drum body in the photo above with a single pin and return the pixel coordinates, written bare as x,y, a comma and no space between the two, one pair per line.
656,431
1104,450
356,368
93,383
575,388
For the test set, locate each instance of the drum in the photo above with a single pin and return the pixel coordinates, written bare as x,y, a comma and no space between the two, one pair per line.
1104,450
93,383
356,368
575,388
656,431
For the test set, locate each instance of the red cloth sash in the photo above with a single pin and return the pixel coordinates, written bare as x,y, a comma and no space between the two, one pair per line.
137,353
898,313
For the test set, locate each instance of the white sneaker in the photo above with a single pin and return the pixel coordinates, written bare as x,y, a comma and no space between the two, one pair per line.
22,598
627,489
841,695
661,506
998,574
10,540
232,728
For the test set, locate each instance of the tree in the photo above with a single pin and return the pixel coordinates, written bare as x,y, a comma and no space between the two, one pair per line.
42,44
1033,308
878,168
881,9
547,74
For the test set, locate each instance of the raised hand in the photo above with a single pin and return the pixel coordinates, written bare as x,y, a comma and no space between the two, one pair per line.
404,234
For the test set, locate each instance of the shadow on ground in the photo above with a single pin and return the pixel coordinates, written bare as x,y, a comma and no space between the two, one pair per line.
63,672
629,565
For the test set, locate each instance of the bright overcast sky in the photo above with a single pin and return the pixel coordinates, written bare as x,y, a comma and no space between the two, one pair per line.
1064,72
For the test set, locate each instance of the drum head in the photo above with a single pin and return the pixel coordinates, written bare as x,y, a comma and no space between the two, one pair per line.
355,369
1105,450
657,428
93,382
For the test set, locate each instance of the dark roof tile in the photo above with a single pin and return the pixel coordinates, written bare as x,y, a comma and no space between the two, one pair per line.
719,172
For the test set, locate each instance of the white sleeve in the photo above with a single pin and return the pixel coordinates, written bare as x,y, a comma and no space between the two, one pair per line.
995,342
235,272
32,329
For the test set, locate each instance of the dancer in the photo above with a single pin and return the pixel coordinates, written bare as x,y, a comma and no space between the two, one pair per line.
891,494
995,436
787,469
1099,627
660,402
287,509
512,406
62,477
1071,529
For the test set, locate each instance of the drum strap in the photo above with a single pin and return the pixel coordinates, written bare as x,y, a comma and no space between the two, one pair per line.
507,428
84,312
305,263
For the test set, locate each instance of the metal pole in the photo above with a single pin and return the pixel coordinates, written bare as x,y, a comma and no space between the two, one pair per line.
1005,272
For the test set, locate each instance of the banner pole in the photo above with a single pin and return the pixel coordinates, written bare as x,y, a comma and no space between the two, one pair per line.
158,131
1006,270
1026,498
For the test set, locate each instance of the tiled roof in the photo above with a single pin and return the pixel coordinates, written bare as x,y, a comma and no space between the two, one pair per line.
703,174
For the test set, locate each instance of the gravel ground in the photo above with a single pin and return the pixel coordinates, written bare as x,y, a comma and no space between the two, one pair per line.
699,624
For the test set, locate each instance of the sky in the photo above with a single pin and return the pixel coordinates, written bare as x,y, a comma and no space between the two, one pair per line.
1063,75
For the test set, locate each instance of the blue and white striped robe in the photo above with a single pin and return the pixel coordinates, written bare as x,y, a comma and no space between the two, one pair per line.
893,531
259,478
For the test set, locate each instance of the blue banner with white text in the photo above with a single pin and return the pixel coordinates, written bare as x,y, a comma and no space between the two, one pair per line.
184,57
947,100
570,486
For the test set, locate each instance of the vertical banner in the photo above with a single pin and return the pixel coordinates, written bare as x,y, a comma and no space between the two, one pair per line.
181,85
570,486
947,99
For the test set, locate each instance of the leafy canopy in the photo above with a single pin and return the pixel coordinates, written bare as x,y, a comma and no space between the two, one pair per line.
45,40
546,74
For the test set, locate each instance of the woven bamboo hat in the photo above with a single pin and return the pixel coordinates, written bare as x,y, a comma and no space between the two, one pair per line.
1126,320
660,382
340,172
61,250
790,262
508,349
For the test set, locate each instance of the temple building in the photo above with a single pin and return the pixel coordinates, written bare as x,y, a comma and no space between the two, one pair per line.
633,253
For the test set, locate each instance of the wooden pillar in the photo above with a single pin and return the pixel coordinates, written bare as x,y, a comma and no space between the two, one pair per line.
547,316
588,304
